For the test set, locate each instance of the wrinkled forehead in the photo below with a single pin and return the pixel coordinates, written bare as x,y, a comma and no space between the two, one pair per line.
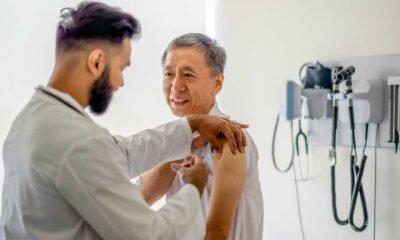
185,57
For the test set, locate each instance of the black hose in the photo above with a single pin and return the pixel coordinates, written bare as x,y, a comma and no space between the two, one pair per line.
353,131
273,147
334,127
359,189
333,191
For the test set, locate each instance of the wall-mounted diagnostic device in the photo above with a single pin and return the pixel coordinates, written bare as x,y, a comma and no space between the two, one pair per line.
342,109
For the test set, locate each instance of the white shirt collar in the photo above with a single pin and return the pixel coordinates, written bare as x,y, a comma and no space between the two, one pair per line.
216,112
63,97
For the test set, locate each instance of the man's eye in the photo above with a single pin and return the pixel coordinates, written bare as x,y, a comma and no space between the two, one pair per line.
188,75
167,74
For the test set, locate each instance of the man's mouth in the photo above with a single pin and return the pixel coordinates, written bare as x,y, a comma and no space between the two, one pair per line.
179,101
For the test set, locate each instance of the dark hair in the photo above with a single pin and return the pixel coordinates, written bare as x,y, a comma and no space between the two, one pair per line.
214,53
94,21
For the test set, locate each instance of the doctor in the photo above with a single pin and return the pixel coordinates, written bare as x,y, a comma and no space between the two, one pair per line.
68,178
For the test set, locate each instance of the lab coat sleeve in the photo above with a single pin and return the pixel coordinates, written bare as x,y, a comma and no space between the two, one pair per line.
93,180
148,148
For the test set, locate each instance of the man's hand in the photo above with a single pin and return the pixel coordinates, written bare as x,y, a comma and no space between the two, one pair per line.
193,170
212,127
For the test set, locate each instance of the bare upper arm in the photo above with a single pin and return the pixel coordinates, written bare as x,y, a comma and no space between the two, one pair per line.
229,176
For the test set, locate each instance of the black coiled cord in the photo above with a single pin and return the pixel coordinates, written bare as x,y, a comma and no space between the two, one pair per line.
356,174
358,189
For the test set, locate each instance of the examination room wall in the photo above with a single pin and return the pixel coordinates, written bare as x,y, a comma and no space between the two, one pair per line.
266,43
27,41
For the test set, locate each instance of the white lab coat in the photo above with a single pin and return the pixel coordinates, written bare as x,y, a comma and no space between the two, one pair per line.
68,178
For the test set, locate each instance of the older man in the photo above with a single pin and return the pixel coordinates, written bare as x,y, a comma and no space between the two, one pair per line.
232,202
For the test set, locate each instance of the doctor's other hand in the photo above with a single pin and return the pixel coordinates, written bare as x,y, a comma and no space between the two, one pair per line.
193,170
212,127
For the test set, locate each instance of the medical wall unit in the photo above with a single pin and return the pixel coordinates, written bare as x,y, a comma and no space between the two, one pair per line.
371,103
357,106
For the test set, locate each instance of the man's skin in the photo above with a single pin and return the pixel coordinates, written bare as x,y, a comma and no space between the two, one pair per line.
190,88
76,71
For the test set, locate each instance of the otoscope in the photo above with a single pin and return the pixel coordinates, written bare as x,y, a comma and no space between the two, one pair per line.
339,75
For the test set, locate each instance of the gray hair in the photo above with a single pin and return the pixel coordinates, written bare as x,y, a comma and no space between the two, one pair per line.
214,53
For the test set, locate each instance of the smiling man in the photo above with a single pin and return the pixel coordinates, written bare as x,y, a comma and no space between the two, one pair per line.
232,205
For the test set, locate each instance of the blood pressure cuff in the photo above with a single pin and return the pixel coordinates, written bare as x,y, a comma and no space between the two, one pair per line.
317,76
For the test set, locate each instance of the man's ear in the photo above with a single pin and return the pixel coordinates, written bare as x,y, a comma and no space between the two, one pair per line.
219,82
96,62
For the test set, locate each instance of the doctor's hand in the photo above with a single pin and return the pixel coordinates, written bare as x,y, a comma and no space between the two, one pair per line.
212,127
192,170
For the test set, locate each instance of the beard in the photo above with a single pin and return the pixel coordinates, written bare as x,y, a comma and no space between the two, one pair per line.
101,93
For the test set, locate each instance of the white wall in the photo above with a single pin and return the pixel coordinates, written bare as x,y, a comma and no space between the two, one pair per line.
27,41
266,43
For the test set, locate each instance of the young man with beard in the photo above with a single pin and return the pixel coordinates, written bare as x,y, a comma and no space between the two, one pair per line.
68,178
232,204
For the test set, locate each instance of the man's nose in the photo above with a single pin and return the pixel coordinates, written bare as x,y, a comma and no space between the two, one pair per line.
178,84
